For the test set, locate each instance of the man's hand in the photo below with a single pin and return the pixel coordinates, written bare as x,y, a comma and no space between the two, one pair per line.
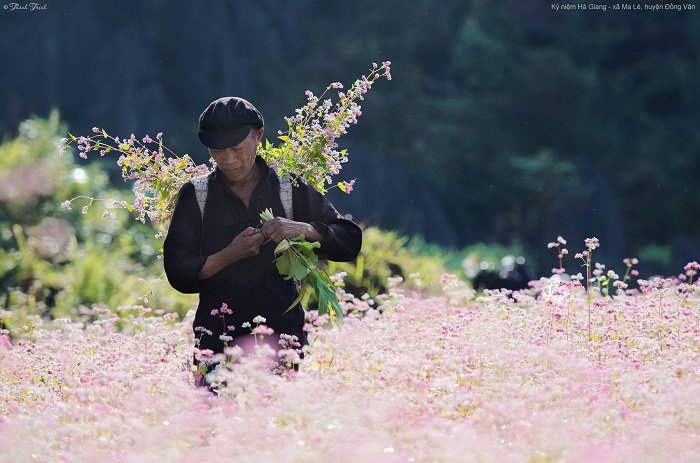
246,244
280,228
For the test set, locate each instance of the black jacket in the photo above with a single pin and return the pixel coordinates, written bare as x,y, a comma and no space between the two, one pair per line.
251,286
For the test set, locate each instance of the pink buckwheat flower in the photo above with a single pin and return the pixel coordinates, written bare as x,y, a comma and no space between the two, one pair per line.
592,243
5,342
224,309
263,329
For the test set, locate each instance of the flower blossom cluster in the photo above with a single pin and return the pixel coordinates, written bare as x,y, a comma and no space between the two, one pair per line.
561,252
309,147
156,171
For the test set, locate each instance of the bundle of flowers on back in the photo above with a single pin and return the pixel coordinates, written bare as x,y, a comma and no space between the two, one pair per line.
308,150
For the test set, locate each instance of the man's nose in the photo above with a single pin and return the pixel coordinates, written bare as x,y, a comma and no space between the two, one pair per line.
230,154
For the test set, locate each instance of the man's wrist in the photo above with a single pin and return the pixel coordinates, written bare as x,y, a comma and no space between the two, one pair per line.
230,254
313,234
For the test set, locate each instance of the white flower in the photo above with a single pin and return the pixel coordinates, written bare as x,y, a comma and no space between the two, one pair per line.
259,319
223,337
245,325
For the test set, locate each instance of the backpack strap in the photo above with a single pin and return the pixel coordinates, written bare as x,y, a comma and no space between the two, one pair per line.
286,196
201,185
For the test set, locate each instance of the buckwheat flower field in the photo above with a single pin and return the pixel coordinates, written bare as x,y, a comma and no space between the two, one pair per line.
456,377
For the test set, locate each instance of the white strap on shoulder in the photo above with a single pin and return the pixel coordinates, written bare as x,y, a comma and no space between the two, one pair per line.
286,196
201,184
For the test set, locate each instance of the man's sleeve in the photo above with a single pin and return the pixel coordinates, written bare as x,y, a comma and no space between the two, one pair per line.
181,251
342,238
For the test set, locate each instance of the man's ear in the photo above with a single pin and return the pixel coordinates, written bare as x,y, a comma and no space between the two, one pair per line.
259,134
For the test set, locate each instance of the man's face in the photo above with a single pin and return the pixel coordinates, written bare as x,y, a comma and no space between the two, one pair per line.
236,162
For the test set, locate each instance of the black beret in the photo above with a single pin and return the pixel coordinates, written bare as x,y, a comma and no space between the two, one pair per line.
226,122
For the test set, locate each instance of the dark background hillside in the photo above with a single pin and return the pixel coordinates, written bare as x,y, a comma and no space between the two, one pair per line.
505,122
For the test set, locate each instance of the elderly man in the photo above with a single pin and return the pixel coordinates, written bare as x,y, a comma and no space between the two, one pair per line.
215,248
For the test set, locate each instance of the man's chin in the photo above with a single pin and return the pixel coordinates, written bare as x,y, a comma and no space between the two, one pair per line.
234,175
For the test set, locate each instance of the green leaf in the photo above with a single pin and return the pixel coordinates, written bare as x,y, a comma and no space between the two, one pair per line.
284,138
305,254
296,301
327,298
282,246
327,280
321,296
104,134
341,185
307,246
291,267
72,137
308,290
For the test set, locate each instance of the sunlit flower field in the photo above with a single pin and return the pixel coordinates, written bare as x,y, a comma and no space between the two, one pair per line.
410,377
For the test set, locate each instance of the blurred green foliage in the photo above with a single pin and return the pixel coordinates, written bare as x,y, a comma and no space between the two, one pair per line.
656,253
385,254
467,261
421,264
54,260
